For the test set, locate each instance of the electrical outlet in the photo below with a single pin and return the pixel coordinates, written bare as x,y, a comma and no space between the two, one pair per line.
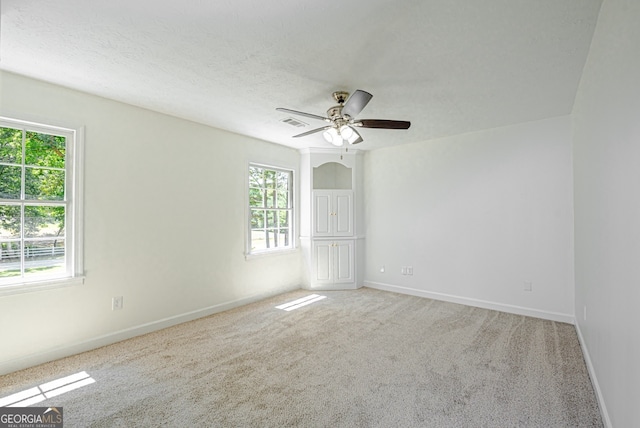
117,303
382,269
409,270
403,270
528,286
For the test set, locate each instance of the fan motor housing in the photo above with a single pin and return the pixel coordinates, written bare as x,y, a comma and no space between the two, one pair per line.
335,112
340,96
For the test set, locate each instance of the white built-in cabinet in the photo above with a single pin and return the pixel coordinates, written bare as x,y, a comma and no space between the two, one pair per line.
332,213
334,261
331,192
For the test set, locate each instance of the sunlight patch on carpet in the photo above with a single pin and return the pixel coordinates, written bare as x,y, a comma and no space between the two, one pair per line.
298,303
47,390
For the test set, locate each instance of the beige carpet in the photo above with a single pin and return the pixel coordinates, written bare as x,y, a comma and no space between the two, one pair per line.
363,358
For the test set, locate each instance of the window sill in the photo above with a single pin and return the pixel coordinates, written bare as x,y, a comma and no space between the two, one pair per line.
45,284
262,254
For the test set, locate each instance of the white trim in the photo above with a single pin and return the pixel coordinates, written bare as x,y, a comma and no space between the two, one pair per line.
485,304
39,127
118,336
247,209
78,203
73,203
330,150
46,284
270,253
594,379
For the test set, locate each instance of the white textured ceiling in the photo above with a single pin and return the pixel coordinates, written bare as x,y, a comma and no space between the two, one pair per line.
448,66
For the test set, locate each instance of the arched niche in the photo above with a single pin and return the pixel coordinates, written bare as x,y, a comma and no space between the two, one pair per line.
332,175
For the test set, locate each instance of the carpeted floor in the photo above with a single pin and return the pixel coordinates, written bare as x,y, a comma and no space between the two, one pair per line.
363,358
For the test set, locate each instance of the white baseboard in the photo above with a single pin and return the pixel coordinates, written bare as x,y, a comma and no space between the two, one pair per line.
594,380
118,336
518,310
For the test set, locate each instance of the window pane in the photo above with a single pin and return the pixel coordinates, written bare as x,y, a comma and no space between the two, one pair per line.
255,177
9,259
271,218
257,219
258,241
9,222
10,177
283,237
283,180
270,189
10,145
283,199
44,150
43,221
283,219
44,257
272,238
44,184
34,210
270,179
256,197
271,201
277,238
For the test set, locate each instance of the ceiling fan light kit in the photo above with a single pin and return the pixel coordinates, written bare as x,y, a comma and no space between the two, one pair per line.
332,135
346,132
342,119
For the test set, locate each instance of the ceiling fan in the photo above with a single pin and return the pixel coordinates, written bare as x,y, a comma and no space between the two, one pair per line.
341,118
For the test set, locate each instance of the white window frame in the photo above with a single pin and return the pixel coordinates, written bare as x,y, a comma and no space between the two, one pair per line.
249,252
74,190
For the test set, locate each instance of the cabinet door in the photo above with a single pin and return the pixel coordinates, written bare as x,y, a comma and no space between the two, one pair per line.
344,261
323,261
343,213
322,214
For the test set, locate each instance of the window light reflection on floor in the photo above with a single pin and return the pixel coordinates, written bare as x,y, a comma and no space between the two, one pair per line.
304,301
47,390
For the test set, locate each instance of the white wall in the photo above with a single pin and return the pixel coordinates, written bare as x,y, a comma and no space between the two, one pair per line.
607,210
476,215
164,225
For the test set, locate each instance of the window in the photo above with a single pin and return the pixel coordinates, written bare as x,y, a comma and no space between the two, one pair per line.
270,209
39,204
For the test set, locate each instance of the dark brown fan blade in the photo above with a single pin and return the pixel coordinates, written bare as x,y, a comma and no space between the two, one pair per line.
384,124
313,131
356,102
301,113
